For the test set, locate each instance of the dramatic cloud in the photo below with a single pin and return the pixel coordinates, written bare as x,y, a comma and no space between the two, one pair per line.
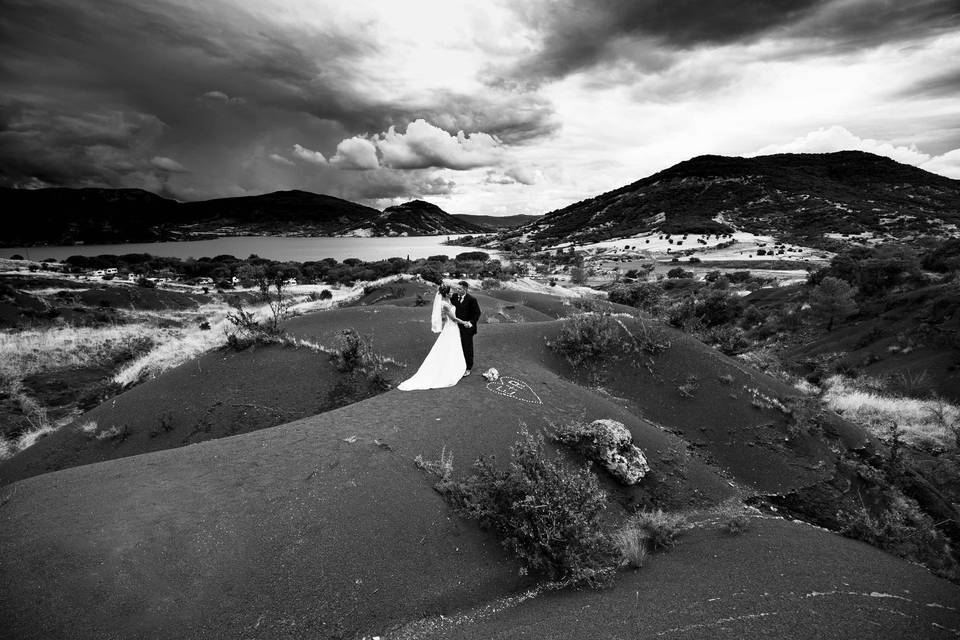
424,145
647,34
356,153
837,138
510,107
309,155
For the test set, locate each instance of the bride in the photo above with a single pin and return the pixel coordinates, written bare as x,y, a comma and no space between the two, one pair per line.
445,364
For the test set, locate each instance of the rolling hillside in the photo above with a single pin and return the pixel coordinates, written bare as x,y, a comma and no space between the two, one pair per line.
797,197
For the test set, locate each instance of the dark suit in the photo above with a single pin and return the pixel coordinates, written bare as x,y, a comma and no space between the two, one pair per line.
467,309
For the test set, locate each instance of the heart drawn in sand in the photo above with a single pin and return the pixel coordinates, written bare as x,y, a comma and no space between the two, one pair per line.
516,389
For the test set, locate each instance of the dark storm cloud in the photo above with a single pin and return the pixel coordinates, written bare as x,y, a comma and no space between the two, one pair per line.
648,34
93,93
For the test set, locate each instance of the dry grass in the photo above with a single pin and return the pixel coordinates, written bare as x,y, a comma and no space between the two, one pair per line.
25,353
647,531
930,423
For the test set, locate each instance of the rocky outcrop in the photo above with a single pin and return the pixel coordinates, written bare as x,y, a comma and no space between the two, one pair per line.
609,443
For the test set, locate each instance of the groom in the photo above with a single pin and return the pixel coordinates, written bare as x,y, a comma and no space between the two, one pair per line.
467,309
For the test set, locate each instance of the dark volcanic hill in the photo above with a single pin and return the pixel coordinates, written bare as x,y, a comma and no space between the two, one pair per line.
67,216
498,223
792,196
279,213
414,218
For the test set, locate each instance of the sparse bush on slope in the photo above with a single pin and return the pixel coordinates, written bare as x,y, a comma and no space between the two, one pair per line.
587,339
545,512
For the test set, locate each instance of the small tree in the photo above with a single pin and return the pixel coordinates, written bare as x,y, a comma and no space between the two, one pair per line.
833,299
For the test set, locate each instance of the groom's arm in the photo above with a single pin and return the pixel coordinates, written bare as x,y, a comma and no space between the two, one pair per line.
475,312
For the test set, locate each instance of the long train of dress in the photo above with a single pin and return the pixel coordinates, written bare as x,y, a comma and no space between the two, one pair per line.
443,366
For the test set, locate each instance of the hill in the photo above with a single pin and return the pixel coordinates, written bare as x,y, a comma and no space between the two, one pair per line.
69,216
498,223
279,213
235,500
91,216
414,218
796,197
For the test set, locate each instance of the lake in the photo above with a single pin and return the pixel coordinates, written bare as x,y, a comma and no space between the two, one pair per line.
275,248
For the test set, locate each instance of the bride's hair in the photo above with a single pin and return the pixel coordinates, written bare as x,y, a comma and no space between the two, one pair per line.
444,290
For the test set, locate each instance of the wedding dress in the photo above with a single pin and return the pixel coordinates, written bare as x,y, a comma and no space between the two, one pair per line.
445,364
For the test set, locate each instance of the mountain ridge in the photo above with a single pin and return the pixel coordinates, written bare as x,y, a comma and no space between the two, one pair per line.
416,217
797,196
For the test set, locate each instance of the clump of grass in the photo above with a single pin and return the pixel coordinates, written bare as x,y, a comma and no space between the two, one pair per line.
661,528
632,544
88,427
689,386
115,432
733,518
646,532
442,468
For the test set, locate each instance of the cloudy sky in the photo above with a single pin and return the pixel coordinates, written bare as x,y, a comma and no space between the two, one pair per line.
481,107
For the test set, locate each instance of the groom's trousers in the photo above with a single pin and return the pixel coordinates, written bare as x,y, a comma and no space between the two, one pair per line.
466,341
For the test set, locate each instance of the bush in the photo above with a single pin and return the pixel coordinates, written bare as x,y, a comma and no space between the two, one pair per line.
353,353
729,340
490,283
473,256
585,338
643,295
545,512
679,272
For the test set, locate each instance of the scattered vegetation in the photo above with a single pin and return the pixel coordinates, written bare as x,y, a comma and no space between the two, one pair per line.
545,512
646,532
929,423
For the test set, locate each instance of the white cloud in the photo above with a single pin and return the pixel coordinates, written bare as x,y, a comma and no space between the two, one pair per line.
356,153
424,145
309,155
167,164
276,157
947,164
837,138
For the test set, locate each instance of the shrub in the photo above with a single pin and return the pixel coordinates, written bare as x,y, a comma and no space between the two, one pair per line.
729,340
545,512
584,338
326,294
832,300
354,354
578,276
473,256
643,295
679,272
490,283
